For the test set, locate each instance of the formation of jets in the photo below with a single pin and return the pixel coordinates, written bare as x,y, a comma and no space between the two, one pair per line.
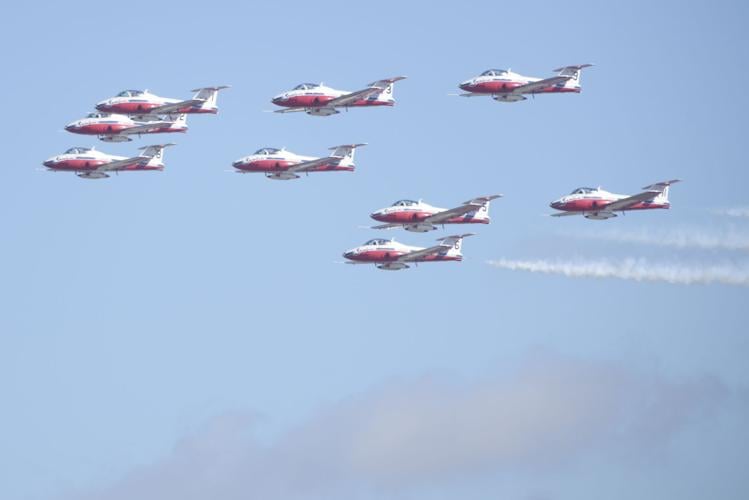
133,113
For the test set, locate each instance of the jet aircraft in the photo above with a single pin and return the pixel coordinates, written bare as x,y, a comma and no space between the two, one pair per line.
280,164
88,163
142,102
503,85
111,127
598,204
319,100
390,255
420,217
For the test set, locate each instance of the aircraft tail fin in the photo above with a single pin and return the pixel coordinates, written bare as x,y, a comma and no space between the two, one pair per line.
155,153
573,72
484,201
454,243
208,95
346,153
663,188
387,86
178,121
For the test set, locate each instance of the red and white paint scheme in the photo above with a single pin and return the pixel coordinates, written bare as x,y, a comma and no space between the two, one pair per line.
142,102
503,85
279,164
110,127
420,217
319,100
89,163
390,255
598,204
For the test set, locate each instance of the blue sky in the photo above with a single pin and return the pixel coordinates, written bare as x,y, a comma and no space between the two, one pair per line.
189,334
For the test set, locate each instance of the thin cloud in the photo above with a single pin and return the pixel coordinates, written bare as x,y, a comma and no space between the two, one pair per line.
684,238
634,269
411,435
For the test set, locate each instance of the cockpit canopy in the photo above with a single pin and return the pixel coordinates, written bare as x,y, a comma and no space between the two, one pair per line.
266,151
405,203
583,190
494,72
130,93
97,114
306,86
77,150
376,242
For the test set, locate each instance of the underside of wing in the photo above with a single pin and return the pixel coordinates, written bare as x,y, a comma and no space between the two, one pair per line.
289,110
175,106
631,200
565,214
387,226
540,84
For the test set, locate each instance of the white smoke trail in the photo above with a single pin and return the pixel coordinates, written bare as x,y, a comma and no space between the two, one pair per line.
635,269
729,239
734,212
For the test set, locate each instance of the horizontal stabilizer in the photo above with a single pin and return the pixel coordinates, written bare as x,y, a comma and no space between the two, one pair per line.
481,200
660,186
220,87
574,67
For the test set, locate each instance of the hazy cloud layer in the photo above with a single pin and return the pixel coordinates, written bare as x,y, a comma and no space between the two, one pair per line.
684,238
635,269
430,431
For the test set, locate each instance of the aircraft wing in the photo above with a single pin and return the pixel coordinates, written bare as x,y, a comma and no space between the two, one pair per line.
417,254
140,129
347,99
289,110
631,200
175,106
565,214
374,88
467,207
540,84
308,165
120,164
389,225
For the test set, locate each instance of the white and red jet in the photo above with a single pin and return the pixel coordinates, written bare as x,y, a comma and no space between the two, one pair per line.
598,204
420,217
142,102
89,163
319,100
111,127
390,255
505,86
279,164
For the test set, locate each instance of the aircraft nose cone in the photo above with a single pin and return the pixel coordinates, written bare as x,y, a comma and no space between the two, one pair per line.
348,254
277,100
49,163
376,215
555,204
70,127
